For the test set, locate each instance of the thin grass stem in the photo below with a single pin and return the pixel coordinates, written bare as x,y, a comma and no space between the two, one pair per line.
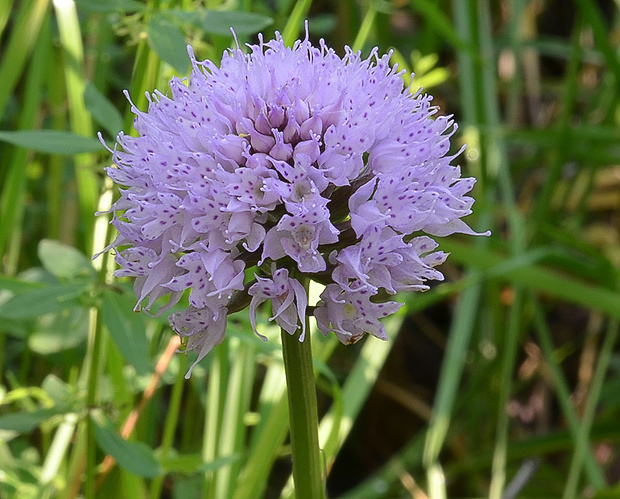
170,424
81,123
365,28
582,442
295,20
563,394
24,35
509,357
216,394
267,437
11,197
472,92
236,404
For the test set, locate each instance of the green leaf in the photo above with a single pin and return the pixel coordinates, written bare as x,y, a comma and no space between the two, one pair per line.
122,6
194,463
51,141
16,285
431,79
54,333
612,492
422,64
51,299
426,74
127,330
59,391
168,41
63,261
102,110
439,21
184,463
24,422
219,462
135,457
218,22
537,277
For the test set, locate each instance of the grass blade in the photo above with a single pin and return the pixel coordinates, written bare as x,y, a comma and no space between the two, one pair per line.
71,42
19,47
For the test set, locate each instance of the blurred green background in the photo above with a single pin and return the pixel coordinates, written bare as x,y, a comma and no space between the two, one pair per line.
502,381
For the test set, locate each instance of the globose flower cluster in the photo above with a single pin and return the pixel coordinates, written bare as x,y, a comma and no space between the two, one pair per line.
299,162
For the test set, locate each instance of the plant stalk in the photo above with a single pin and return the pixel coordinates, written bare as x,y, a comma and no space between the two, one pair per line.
303,416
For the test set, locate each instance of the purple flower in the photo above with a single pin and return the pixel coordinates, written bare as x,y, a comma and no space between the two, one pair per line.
199,329
280,166
298,236
288,300
351,314
382,259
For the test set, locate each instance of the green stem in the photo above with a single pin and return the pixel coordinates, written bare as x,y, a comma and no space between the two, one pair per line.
92,361
295,20
216,398
303,416
593,472
510,354
364,31
582,443
171,423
